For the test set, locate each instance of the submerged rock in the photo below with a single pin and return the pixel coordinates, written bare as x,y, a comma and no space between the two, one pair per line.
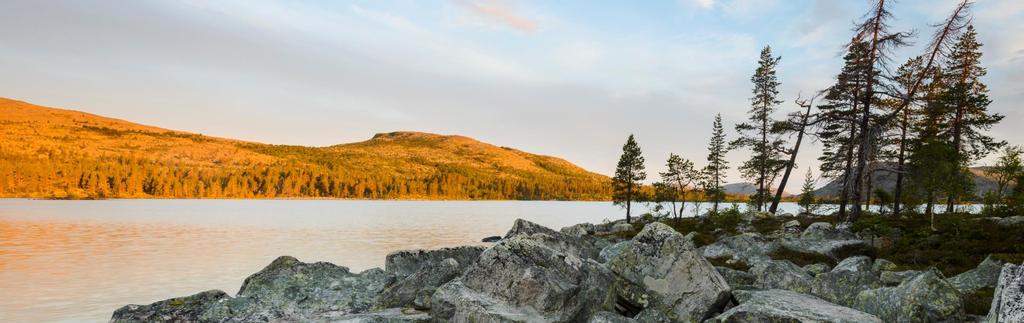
526,278
925,298
181,309
785,306
1008,300
782,274
986,275
671,273
406,262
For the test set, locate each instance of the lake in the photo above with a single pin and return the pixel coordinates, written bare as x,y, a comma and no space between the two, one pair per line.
80,260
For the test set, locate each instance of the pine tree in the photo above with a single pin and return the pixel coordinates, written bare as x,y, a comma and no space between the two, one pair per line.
909,75
837,121
714,172
761,132
807,199
968,100
628,175
679,176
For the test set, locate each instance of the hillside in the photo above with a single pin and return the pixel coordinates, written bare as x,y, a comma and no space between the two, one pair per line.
48,152
887,181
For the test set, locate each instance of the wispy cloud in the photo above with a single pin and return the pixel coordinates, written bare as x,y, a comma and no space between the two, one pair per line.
499,12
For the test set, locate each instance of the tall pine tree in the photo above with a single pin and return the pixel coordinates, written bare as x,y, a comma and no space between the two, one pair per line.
714,172
628,176
761,132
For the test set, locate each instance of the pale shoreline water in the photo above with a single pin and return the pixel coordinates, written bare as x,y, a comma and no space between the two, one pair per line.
68,260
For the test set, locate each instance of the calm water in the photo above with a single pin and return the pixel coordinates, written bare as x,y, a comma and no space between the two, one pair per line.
79,260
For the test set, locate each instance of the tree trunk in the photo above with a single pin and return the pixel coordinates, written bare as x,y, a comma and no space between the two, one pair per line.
901,160
629,198
792,160
865,139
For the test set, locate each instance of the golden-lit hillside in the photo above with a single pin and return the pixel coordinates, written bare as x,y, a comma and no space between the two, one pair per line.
47,152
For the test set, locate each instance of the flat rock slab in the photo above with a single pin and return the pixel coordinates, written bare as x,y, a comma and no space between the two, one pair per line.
783,306
1008,300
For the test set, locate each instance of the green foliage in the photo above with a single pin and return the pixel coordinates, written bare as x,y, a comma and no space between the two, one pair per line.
807,200
714,172
677,181
629,173
761,133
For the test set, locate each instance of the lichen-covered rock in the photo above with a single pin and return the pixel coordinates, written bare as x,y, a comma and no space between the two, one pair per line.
416,290
1009,221
524,278
1008,300
391,315
782,274
586,246
842,284
749,248
181,309
785,306
613,250
824,247
406,262
925,298
791,227
736,277
609,317
579,230
672,273
986,275
894,278
881,264
289,289
817,269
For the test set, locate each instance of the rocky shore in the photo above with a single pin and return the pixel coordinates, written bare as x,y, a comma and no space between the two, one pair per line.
609,272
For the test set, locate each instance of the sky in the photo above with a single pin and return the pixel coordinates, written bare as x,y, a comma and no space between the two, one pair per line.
564,78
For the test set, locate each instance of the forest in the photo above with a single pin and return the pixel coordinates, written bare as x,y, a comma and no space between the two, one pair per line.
924,119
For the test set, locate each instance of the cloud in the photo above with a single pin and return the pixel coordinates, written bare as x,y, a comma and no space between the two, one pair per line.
706,4
498,11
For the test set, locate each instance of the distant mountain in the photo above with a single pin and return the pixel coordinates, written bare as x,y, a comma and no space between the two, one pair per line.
48,152
746,189
887,181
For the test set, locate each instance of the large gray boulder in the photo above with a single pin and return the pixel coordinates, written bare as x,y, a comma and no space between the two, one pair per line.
610,317
817,268
783,306
749,248
416,290
842,284
586,246
526,278
406,262
826,231
736,277
986,275
782,274
925,298
613,250
894,278
390,315
1008,299
286,290
672,275
180,309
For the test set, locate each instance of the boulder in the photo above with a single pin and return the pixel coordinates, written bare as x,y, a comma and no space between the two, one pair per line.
415,290
986,275
894,278
817,269
585,246
181,309
842,284
925,298
621,227
406,262
525,278
671,274
883,264
791,227
785,306
1008,299
391,315
1010,220
736,277
782,274
609,317
826,231
491,239
749,248
613,250
292,290
580,230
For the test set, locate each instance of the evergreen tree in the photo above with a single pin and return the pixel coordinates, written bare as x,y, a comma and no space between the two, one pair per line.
807,199
1007,169
761,133
837,121
679,176
909,75
968,100
628,176
714,172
